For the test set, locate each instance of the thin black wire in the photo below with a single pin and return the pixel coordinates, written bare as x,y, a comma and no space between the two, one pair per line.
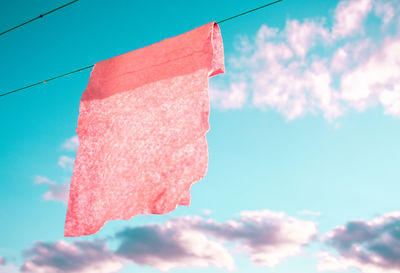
34,84
79,70
38,17
246,12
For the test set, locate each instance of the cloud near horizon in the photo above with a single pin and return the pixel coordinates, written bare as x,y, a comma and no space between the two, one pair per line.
369,246
267,237
309,67
170,246
76,257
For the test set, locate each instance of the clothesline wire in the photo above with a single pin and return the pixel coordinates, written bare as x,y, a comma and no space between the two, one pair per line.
56,77
89,66
38,17
249,11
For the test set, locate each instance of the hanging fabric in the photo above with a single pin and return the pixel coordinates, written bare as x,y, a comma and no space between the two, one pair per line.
142,127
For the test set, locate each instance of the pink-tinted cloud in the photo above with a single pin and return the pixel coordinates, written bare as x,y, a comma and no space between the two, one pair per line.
291,86
310,68
76,257
274,68
350,56
56,191
172,245
71,144
349,16
369,246
267,237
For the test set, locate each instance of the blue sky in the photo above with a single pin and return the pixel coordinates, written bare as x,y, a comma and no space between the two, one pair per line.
303,143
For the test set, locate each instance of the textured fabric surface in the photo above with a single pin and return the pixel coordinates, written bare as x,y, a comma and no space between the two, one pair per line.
142,127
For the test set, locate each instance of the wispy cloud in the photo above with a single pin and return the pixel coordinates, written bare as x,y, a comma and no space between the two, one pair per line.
309,67
71,144
76,257
60,191
66,162
310,213
56,191
370,246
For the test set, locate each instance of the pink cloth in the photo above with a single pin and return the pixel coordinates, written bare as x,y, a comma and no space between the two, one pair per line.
142,127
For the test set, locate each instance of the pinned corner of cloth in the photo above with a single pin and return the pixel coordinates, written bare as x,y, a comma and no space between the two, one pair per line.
218,58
